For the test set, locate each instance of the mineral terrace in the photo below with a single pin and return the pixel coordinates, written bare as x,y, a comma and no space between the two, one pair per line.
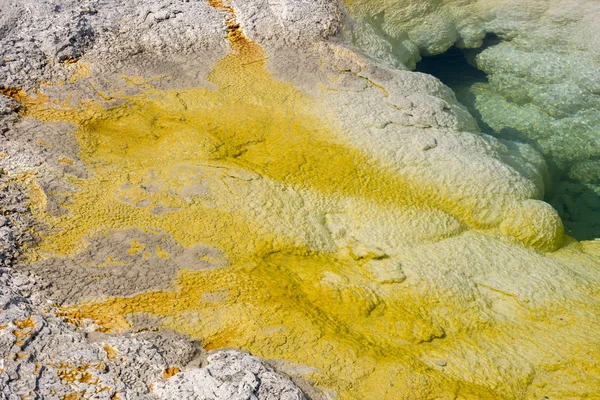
259,199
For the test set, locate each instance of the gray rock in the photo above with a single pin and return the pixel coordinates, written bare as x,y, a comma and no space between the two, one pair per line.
7,105
230,375
46,355
39,38
34,33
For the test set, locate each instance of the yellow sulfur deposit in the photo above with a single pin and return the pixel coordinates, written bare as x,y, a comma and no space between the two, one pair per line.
258,169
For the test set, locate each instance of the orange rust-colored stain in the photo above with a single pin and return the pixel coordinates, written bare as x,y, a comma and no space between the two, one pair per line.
25,329
72,374
25,323
10,92
234,30
16,94
86,377
69,60
21,334
100,367
65,160
69,316
171,371
111,353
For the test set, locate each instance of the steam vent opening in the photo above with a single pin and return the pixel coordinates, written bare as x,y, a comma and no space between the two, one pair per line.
572,186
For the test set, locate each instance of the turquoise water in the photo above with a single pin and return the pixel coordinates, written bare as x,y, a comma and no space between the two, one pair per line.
573,185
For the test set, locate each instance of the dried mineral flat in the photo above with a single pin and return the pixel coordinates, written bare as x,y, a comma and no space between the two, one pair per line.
294,198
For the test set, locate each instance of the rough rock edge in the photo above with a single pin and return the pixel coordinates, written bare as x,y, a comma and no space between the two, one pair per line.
49,353
39,41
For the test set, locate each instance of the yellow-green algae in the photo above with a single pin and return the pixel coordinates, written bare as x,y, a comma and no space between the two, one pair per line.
282,296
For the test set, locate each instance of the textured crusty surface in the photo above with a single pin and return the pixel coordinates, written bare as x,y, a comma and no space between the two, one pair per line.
36,36
230,375
45,353
46,356
543,84
240,173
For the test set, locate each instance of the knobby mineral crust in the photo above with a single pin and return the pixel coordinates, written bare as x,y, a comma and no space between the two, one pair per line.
269,176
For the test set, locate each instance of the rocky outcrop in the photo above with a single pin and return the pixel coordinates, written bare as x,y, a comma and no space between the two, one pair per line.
38,40
48,354
230,375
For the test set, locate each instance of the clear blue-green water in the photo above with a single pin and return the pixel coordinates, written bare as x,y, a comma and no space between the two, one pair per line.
573,185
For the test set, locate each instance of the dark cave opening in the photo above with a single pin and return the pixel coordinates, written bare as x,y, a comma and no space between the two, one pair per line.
455,70
577,202
452,68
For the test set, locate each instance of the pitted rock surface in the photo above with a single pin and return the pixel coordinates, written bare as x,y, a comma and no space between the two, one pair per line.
15,220
45,357
39,38
230,375
123,263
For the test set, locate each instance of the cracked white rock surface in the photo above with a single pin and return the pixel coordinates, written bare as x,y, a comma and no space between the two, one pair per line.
229,375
